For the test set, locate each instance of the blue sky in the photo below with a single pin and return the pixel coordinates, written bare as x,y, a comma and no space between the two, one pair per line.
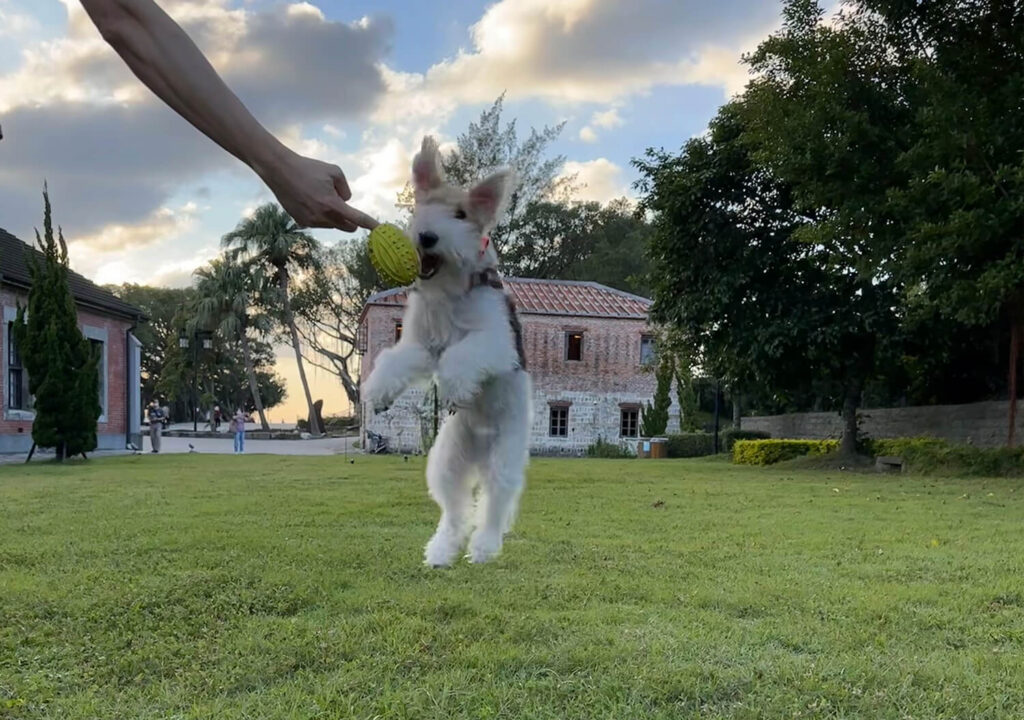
143,198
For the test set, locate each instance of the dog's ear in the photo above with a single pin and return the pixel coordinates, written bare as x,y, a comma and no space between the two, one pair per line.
426,167
487,200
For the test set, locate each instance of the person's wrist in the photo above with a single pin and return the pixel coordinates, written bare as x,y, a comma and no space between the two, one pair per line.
268,159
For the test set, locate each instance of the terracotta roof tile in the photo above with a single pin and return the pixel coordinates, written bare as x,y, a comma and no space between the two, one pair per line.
555,297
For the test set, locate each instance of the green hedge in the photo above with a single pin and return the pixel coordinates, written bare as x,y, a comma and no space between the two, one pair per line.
903,446
928,455
728,437
605,449
768,452
686,445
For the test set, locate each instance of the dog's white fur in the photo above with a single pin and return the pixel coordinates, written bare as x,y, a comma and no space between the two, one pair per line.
463,338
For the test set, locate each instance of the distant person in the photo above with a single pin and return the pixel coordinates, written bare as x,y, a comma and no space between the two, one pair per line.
156,425
216,418
237,426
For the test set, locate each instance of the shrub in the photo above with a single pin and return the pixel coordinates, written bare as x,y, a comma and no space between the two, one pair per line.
768,452
902,446
332,423
687,445
654,418
928,455
728,437
604,449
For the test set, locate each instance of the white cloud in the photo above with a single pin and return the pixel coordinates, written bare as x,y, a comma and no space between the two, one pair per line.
13,24
305,8
164,224
168,272
597,50
380,172
588,135
608,119
113,154
599,180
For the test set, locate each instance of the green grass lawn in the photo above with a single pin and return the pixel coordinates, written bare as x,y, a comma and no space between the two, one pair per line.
278,587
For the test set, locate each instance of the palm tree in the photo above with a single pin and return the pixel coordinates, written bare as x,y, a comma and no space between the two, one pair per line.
224,299
270,239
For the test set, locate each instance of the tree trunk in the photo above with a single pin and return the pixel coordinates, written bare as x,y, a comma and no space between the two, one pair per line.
1012,380
253,386
848,445
737,411
314,425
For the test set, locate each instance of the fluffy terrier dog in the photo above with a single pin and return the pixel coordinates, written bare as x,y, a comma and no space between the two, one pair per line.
460,327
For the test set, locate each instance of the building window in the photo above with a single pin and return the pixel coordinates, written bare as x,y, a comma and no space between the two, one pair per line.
558,425
574,346
101,368
647,350
398,331
629,422
17,394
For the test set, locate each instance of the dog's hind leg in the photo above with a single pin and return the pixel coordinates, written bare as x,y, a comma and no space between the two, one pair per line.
449,479
499,498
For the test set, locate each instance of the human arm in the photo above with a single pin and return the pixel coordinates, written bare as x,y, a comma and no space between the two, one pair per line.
166,60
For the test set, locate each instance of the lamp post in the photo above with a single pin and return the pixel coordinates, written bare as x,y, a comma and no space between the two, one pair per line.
183,342
718,394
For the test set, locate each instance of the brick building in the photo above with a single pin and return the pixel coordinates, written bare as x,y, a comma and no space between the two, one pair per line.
586,346
105,320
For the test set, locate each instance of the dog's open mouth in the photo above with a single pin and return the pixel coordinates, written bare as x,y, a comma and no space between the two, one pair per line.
429,265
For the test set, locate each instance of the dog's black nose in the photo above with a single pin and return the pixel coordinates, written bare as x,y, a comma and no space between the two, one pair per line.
428,239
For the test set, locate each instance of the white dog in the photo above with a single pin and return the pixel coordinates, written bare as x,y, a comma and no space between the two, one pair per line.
461,327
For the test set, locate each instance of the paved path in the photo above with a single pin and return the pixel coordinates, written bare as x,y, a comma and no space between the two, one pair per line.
225,446
218,446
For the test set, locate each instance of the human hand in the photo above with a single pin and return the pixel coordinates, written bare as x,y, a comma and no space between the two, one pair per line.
314,193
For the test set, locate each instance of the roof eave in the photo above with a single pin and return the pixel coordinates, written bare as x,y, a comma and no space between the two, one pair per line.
107,310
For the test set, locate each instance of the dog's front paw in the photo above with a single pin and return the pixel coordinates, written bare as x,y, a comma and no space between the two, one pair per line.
378,395
484,545
442,550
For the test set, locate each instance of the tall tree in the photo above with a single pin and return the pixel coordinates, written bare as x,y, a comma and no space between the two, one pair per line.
225,292
757,303
583,241
62,366
270,239
964,200
219,371
159,334
487,145
827,115
327,304
654,421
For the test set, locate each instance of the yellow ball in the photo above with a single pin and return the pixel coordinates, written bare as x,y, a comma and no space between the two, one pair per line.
393,255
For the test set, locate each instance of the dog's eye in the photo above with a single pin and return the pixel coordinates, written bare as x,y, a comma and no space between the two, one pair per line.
460,214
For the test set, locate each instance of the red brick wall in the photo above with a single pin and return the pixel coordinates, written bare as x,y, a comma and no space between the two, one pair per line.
611,350
608,376
611,354
116,421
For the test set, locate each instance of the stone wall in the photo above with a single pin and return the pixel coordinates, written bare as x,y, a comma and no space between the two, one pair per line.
595,388
983,424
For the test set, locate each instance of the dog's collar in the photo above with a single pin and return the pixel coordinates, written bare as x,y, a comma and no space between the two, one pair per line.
488,277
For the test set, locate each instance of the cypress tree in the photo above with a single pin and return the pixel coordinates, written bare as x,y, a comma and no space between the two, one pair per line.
654,420
62,366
